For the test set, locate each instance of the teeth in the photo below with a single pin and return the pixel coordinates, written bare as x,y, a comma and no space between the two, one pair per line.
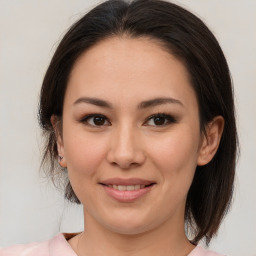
121,188
129,187
136,187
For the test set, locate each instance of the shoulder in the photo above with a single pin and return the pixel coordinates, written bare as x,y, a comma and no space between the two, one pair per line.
200,251
39,249
57,246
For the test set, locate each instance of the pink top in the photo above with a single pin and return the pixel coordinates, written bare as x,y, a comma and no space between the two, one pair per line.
58,246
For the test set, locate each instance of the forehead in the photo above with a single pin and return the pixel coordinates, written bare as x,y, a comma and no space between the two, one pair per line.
129,69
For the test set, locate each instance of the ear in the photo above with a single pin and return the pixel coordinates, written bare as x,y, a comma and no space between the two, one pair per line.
211,140
56,124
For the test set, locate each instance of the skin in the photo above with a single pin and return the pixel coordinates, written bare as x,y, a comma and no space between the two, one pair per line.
126,72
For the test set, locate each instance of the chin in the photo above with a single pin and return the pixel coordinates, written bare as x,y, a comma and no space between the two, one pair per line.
129,226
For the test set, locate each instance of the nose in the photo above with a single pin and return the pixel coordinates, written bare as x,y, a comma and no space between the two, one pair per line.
125,150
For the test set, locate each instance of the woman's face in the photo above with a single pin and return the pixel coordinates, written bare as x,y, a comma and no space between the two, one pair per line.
131,137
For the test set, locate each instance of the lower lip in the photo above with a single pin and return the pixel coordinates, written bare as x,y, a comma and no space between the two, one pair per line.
127,195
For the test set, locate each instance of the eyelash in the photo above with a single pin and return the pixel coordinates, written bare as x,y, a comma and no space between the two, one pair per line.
170,119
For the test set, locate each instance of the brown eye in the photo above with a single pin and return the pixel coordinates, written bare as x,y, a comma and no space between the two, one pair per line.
95,120
160,119
98,120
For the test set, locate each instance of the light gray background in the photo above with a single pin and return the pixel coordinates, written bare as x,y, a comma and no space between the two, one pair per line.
30,208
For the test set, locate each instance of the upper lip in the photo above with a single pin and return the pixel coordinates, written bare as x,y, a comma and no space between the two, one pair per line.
127,182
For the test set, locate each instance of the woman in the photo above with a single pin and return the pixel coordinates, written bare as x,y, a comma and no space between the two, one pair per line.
137,107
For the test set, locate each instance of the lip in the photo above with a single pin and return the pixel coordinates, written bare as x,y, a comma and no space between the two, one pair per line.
127,196
127,182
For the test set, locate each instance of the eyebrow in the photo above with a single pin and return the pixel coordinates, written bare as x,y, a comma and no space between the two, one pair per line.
144,104
94,101
158,101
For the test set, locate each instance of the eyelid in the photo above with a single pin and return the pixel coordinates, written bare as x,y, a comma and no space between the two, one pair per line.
86,117
170,118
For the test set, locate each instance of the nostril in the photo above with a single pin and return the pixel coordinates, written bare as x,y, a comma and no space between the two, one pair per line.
124,165
125,159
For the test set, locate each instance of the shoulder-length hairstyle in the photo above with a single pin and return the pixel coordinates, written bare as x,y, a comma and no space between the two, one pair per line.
186,37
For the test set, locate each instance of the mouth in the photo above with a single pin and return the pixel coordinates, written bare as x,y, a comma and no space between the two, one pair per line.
127,190
127,187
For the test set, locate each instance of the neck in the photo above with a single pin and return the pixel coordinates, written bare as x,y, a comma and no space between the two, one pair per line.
168,239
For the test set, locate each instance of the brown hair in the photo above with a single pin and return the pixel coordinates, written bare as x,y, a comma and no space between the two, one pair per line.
188,38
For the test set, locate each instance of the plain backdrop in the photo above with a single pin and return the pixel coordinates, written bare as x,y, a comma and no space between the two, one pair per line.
32,209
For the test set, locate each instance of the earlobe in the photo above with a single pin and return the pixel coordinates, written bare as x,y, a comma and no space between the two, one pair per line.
211,140
55,121
62,161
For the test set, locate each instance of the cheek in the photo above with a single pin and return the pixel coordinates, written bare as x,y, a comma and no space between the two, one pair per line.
83,152
175,155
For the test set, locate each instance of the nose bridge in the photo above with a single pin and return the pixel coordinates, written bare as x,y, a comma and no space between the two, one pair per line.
125,146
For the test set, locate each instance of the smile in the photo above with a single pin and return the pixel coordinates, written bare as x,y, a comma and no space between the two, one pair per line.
128,188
